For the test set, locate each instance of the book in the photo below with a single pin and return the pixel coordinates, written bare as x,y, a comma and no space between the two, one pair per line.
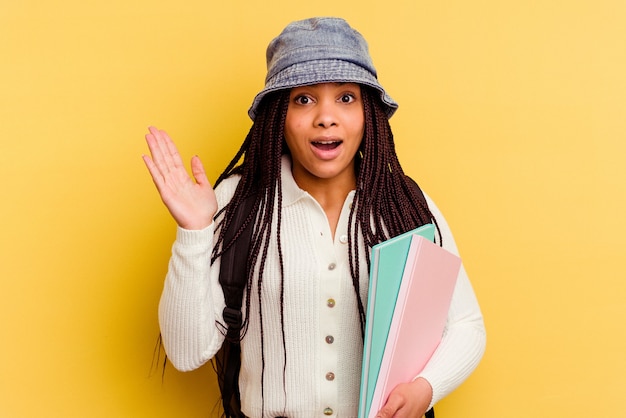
419,316
387,266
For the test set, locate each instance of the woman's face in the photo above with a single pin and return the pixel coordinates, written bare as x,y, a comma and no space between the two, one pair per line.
323,130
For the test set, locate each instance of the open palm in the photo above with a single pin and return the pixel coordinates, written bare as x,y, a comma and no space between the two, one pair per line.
191,201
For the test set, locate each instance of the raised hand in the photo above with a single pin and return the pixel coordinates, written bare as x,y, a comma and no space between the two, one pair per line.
191,202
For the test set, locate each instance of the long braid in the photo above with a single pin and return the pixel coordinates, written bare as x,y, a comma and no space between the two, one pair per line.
386,204
260,180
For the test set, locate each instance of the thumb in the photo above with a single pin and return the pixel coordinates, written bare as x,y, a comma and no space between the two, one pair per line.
392,407
387,411
197,169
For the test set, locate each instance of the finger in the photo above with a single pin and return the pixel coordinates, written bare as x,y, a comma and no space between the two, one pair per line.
152,145
390,408
155,173
167,156
199,174
172,150
154,140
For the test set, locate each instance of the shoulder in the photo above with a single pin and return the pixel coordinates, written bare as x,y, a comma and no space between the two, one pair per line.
446,233
226,189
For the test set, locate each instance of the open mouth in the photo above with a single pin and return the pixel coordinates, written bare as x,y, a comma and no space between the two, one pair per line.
326,145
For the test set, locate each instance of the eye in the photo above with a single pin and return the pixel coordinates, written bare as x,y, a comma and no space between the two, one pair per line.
302,100
347,98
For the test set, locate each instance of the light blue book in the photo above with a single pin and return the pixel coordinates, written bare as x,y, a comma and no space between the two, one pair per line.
387,267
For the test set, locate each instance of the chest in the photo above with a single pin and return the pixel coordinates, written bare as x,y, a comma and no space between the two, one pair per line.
313,264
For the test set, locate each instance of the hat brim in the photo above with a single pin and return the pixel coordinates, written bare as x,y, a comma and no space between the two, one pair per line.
322,71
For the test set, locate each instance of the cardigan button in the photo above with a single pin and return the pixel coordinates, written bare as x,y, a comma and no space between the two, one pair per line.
330,376
330,303
328,411
330,339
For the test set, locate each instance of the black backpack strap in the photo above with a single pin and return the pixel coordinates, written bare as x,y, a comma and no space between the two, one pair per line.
233,270
430,413
233,278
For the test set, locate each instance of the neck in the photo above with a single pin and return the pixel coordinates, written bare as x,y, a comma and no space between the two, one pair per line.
329,193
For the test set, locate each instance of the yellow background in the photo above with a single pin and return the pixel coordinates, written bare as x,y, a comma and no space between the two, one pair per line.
513,117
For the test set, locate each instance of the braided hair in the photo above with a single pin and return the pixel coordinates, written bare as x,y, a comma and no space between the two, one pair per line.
386,202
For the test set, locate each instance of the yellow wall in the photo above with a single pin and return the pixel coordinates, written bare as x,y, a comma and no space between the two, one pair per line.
513,117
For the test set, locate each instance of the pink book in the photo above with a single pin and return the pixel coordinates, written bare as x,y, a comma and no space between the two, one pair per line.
419,316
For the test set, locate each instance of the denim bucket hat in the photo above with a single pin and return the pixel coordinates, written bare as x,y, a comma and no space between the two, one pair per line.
319,50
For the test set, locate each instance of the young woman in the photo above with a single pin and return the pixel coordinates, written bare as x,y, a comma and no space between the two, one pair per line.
320,164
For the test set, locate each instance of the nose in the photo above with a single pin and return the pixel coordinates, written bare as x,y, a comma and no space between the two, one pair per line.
326,116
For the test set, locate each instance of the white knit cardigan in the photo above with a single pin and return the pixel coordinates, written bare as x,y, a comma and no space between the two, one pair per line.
317,374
